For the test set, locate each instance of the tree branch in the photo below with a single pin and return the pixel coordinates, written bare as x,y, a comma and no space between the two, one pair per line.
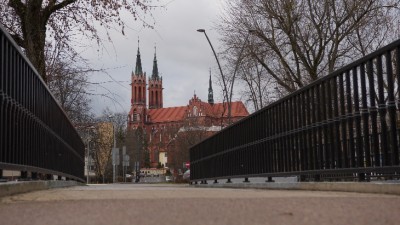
53,7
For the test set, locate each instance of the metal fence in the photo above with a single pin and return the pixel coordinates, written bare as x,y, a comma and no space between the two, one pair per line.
342,126
35,133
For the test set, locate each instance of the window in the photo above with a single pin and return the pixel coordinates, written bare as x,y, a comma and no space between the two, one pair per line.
194,111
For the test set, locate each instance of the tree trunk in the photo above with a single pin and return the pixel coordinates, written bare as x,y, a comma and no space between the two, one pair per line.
34,34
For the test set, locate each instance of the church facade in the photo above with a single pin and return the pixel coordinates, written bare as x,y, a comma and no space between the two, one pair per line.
161,125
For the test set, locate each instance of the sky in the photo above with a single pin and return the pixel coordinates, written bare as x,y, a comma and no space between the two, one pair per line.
184,55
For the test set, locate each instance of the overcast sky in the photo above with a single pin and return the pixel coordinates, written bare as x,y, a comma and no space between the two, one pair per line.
184,55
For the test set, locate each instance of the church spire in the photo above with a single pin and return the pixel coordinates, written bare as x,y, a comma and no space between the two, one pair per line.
155,67
138,69
210,92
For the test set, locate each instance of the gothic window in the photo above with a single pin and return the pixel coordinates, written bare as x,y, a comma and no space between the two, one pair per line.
134,98
157,98
140,94
194,111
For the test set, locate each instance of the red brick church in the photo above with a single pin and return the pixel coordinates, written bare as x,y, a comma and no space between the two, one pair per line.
160,123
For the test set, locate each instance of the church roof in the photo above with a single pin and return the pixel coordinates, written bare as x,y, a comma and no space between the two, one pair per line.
174,114
238,109
171,114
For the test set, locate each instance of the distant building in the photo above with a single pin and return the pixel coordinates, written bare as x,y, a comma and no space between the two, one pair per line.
161,123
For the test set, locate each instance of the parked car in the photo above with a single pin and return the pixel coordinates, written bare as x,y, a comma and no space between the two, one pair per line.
186,175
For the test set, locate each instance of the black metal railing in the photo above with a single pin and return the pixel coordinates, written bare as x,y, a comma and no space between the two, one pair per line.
35,133
344,125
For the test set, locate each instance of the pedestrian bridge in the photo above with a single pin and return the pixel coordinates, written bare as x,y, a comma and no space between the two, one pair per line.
332,129
344,126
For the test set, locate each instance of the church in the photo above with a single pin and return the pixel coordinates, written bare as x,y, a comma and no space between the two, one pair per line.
161,125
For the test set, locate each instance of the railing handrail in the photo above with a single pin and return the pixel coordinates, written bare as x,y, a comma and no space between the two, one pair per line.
25,104
18,48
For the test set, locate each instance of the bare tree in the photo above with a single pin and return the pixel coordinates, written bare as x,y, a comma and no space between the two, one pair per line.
137,147
103,140
298,41
30,22
258,86
68,83
191,132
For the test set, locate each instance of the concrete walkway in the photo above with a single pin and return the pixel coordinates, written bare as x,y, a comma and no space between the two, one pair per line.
182,204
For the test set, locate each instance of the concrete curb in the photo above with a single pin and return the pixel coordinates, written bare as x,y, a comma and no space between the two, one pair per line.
12,188
377,188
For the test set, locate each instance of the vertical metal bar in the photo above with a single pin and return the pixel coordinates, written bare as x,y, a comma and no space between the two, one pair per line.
303,144
332,144
357,120
374,114
392,111
365,115
270,141
298,133
280,132
324,126
319,128
343,162
349,117
274,140
382,112
289,141
337,146
396,152
309,125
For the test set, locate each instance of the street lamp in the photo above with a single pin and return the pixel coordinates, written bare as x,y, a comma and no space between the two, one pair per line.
220,70
228,99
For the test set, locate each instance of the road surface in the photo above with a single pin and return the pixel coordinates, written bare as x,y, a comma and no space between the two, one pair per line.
162,204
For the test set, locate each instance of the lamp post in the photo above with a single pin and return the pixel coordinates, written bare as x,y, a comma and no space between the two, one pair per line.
220,70
228,98
111,117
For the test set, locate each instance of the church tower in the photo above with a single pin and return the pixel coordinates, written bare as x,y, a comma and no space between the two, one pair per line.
210,92
137,114
155,86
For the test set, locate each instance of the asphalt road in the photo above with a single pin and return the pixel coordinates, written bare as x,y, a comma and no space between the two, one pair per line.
180,204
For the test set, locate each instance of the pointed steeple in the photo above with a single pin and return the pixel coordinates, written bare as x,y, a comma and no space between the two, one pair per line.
138,69
155,67
210,92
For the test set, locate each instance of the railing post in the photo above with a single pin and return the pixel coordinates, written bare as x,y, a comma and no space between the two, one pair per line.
24,174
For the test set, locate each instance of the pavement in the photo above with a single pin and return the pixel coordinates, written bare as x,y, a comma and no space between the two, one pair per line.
17,187
183,204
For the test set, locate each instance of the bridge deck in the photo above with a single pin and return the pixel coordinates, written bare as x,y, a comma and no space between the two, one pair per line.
182,204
